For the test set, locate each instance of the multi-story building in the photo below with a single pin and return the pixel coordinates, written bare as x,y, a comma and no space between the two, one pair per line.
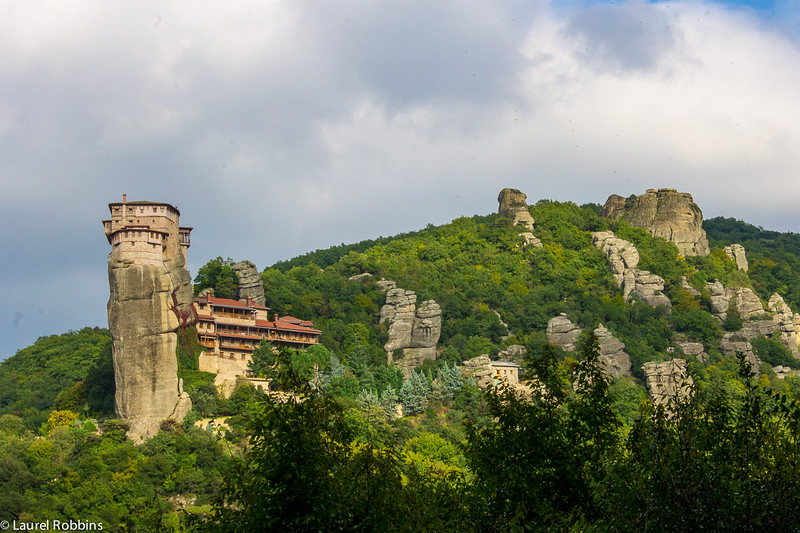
230,329
145,231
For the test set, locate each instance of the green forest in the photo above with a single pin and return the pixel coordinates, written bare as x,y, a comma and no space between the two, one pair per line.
328,450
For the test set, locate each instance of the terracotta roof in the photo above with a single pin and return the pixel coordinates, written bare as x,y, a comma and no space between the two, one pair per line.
291,319
285,326
225,302
209,318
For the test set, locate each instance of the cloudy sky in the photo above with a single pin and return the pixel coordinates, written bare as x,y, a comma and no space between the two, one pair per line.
280,127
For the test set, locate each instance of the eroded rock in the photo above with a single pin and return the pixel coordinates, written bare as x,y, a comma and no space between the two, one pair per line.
622,257
612,353
664,213
667,380
250,283
737,254
562,332
513,205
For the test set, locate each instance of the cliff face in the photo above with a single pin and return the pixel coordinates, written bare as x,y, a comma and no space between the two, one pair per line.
148,303
413,329
250,283
664,213
513,205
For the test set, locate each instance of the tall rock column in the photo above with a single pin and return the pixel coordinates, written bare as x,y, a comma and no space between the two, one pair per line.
150,300
250,283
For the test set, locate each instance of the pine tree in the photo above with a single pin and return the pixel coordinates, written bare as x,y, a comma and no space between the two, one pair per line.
414,394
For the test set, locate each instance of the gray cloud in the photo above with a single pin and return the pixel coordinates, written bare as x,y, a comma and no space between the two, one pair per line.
282,127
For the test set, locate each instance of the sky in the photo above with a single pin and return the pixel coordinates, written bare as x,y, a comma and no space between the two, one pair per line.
282,127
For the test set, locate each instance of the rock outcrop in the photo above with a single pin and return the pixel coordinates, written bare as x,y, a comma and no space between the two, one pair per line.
514,353
623,257
513,205
664,213
415,330
150,303
743,299
667,380
786,322
479,369
737,254
250,283
562,332
612,353
734,344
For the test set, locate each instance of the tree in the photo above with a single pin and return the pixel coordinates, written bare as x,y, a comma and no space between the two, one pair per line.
217,274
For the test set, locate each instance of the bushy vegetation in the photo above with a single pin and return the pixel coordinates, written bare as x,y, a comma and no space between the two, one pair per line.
345,441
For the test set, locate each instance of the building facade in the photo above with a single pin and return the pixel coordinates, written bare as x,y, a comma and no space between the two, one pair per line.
230,330
144,231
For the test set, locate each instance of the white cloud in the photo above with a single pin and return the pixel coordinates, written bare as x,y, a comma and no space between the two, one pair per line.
280,127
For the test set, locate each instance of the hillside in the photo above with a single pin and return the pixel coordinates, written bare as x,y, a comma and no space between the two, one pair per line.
351,433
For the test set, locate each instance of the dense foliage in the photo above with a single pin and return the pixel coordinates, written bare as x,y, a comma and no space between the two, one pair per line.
345,441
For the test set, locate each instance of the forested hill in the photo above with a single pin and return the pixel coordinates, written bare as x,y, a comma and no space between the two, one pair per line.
476,268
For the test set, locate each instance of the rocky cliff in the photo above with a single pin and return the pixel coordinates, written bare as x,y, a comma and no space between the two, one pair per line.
415,330
622,258
250,283
664,213
513,205
667,381
147,306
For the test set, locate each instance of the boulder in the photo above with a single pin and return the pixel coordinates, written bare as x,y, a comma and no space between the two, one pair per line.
612,353
664,213
514,353
733,344
479,369
251,286
695,349
667,380
783,372
562,332
529,239
737,254
513,205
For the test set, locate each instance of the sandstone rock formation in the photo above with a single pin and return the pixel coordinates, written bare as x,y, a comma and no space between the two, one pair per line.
513,205
786,322
667,380
612,353
734,344
479,369
150,301
743,299
695,349
529,239
414,330
737,254
688,288
398,312
622,258
514,353
664,213
562,332
783,372
250,283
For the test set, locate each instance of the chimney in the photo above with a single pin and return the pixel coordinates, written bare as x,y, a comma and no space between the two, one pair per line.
249,301
124,198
